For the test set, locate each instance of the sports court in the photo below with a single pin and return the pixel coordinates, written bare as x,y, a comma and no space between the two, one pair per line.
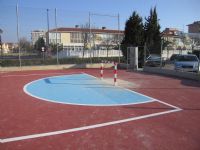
75,109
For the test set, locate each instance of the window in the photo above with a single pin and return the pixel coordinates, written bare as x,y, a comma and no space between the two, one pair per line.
52,38
76,38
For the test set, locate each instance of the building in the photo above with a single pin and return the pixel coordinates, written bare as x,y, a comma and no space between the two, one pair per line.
84,38
194,34
36,34
8,47
174,38
194,27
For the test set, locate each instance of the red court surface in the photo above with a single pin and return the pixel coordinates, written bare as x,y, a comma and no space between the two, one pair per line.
171,123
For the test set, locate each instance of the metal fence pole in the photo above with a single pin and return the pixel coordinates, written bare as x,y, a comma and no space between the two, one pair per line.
161,52
90,37
56,37
47,38
119,45
1,31
19,52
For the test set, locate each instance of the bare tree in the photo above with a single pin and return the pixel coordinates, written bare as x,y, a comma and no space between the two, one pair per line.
25,45
110,41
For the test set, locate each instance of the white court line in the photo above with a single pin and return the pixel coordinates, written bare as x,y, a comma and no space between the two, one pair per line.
13,139
24,75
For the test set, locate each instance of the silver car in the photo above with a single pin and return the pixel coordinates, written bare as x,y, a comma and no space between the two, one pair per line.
154,61
187,62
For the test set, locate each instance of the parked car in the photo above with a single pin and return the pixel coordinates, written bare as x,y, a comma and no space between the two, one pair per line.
173,57
187,62
154,60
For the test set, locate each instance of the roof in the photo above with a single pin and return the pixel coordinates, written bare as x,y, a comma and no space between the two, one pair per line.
173,32
87,30
194,23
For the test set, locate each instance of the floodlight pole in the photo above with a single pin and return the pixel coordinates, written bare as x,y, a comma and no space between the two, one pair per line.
17,15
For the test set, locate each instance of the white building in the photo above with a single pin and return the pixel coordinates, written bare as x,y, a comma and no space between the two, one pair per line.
36,34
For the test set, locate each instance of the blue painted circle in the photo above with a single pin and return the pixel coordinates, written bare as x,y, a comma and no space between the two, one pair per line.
82,89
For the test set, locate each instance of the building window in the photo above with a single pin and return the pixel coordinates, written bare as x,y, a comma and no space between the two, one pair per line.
52,38
76,38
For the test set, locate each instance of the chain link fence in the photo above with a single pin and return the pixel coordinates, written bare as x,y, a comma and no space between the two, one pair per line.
42,36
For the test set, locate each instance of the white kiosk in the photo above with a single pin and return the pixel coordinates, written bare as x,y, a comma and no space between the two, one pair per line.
132,58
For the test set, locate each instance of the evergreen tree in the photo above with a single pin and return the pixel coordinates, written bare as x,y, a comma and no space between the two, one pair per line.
39,44
152,32
134,33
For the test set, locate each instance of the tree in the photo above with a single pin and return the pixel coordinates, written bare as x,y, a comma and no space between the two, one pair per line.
134,33
25,45
53,48
108,41
39,44
152,32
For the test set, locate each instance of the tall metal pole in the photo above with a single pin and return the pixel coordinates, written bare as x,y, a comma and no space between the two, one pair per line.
118,20
161,51
56,36
47,40
17,15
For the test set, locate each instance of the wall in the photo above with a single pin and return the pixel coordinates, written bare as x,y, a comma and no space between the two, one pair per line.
65,38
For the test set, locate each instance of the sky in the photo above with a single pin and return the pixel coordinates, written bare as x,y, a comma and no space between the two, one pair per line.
33,14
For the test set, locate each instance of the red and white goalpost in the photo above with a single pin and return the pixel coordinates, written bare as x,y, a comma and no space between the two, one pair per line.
101,73
115,72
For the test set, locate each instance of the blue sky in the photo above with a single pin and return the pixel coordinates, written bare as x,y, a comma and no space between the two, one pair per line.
32,14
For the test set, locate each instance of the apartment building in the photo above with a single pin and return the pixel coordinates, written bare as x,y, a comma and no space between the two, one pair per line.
36,34
84,38
174,37
194,27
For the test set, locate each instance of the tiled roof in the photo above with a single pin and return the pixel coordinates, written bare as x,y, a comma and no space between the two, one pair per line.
86,30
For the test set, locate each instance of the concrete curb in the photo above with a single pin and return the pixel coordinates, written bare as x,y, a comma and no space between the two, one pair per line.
186,75
55,67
